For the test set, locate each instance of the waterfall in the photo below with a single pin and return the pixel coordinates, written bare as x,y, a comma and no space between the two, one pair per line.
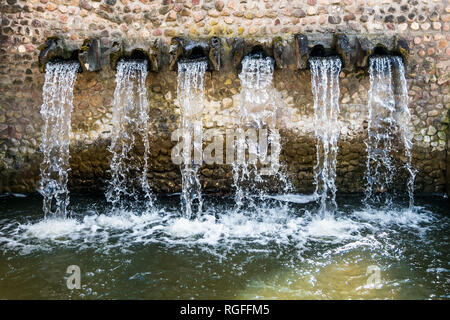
404,123
130,145
56,112
190,92
325,87
388,130
257,107
257,130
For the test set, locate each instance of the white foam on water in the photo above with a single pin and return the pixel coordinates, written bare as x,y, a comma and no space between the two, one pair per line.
232,228
411,218
184,228
270,228
52,229
329,228
126,221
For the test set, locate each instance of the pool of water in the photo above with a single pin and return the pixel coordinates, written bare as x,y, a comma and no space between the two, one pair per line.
281,248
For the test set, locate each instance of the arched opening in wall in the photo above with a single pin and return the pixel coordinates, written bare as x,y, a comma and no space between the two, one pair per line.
186,50
257,52
72,56
137,55
261,52
257,66
195,53
380,50
319,51
55,50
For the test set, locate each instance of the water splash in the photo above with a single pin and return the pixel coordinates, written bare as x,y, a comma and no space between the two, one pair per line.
259,103
130,145
388,130
219,227
325,87
191,76
56,111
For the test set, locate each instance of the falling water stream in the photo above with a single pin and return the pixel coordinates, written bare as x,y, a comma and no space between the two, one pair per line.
130,145
56,111
325,87
257,101
257,131
191,76
388,131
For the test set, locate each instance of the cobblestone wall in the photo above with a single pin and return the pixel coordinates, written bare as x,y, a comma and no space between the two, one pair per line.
25,25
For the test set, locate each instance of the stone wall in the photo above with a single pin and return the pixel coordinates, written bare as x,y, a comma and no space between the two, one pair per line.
25,25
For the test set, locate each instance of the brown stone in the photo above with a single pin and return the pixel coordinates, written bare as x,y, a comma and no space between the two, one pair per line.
85,5
232,5
198,16
349,17
213,13
228,20
63,18
219,5
299,13
95,100
172,16
185,12
334,19
178,7
36,23
170,32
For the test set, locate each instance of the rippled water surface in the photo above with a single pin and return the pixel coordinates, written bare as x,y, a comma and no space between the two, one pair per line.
280,249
